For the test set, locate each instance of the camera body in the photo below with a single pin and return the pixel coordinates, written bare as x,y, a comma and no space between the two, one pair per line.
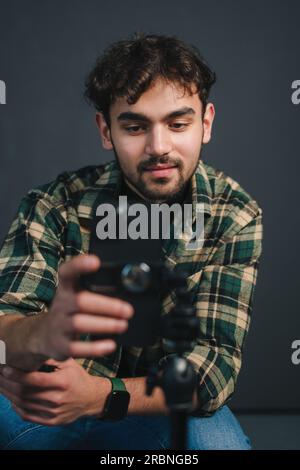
130,268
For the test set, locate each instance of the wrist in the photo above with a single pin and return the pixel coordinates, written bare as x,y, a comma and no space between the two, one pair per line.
37,338
100,389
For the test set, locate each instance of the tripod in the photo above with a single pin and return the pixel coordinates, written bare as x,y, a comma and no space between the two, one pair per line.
176,375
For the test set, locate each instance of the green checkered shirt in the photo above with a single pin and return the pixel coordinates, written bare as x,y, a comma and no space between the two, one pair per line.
53,225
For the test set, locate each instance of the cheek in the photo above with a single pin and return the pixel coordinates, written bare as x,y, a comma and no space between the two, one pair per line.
189,147
130,151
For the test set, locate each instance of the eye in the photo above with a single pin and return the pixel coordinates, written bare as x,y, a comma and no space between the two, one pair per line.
179,125
134,129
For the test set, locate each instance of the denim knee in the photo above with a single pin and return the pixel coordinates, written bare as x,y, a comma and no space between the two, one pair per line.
18,434
221,431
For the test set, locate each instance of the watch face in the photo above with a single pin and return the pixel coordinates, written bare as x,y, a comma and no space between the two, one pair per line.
117,405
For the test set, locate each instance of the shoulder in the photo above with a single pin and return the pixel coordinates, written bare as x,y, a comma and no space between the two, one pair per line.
231,204
68,186
228,192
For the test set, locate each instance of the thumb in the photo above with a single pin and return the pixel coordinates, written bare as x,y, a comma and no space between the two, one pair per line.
61,364
70,270
55,363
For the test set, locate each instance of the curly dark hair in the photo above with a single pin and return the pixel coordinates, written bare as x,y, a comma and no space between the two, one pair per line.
128,67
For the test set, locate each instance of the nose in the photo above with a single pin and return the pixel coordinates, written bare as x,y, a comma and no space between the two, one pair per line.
158,142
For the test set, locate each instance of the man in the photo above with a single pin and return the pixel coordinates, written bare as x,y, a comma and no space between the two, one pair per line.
151,96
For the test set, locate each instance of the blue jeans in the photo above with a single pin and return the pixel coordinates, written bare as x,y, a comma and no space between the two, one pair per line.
220,431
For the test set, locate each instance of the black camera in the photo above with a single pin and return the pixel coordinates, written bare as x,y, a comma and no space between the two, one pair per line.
131,262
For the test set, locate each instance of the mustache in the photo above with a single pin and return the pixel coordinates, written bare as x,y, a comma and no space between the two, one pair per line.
159,160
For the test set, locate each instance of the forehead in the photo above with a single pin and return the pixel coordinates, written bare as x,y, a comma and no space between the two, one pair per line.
159,100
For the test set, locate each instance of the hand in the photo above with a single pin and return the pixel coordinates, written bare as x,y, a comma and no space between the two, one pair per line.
54,398
72,313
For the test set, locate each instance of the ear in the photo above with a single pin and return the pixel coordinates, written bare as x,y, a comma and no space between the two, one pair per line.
207,122
104,131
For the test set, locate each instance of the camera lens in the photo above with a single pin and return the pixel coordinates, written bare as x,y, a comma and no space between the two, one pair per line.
136,277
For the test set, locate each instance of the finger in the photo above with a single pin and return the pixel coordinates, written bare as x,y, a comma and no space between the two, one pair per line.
102,304
92,348
14,377
34,418
47,399
58,364
83,323
17,395
70,270
30,403
10,386
10,396
37,408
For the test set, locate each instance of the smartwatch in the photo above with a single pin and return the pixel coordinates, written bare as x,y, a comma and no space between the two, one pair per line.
117,402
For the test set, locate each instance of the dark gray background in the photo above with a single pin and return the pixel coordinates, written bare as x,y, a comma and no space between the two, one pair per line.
46,49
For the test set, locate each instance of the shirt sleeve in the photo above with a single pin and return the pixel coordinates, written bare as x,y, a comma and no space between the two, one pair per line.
29,257
224,302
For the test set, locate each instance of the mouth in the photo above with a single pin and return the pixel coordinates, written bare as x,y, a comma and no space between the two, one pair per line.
161,171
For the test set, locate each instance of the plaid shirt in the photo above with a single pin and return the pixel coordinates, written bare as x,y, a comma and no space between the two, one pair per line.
53,225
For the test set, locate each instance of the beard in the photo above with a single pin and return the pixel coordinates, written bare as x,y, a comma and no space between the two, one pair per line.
159,193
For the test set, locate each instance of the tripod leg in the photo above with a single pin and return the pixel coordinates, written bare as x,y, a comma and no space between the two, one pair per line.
178,420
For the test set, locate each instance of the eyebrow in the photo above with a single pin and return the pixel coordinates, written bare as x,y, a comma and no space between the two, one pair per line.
130,116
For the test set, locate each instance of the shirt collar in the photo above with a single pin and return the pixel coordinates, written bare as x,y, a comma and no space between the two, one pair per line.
201,190
106,186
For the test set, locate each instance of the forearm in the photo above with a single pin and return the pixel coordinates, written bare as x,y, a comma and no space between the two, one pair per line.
20,336
140,403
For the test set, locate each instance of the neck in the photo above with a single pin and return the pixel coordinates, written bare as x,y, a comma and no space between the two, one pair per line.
130,186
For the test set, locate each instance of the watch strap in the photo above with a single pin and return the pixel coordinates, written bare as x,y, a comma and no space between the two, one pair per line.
117,384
